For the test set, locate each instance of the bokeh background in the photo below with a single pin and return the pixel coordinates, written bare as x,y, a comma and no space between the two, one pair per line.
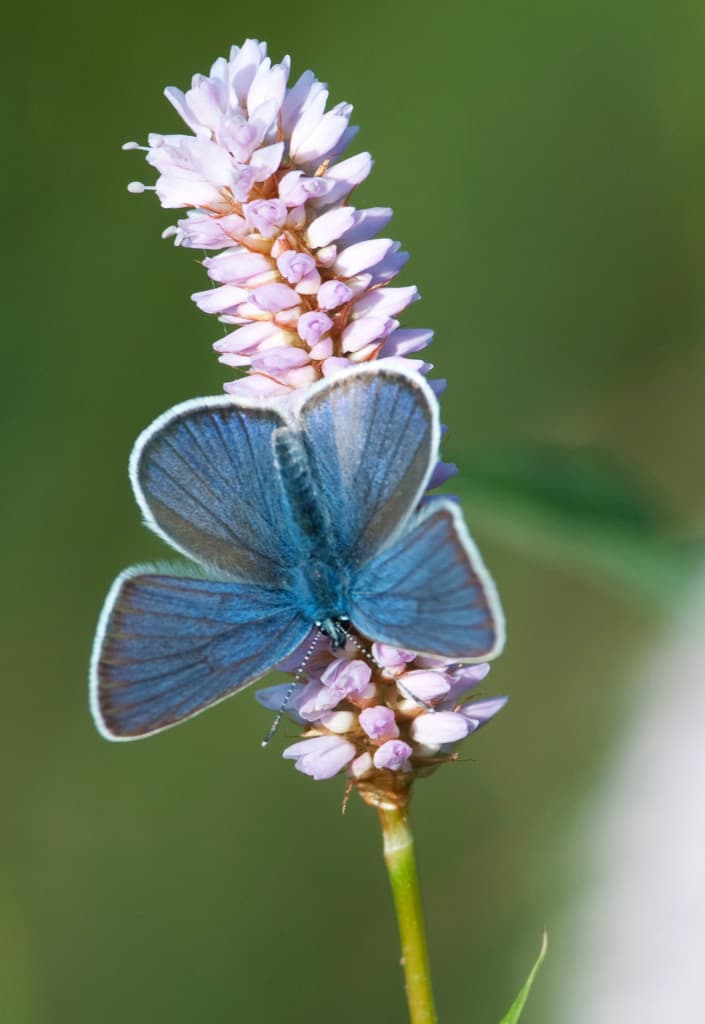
545,162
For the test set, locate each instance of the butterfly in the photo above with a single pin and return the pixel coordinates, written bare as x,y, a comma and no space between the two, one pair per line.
296,513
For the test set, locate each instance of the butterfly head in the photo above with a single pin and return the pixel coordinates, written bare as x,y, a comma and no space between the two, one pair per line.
334,629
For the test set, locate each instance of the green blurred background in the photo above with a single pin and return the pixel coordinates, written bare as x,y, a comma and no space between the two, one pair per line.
545,162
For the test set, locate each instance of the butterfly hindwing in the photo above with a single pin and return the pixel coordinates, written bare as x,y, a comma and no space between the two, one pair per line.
429,591
168,647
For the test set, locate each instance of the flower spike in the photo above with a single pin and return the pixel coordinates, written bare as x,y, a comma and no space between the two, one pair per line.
298,272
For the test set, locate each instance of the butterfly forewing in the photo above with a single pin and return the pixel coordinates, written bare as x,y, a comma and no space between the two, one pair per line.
205,477
372,441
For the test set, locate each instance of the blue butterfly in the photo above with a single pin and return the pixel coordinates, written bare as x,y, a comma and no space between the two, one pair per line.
297,512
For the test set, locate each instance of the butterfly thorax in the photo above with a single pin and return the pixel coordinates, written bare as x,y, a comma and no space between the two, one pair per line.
335,630
320,589
318,579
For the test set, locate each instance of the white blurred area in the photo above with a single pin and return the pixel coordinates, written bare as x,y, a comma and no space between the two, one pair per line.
634,948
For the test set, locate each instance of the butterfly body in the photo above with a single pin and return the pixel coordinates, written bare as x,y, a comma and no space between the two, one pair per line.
298,515
320,579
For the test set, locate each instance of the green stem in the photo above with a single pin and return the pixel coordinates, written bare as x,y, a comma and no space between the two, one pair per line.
399,857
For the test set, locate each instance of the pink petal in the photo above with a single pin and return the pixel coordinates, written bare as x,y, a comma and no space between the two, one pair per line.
347,174
347,677
218,300
316,700
362,332
379,723
335,365
321,757
255,385
266,216
312,326
265,161
272,698
295,188
332,294
322,349
244,62
235,360
295,266
391,657
310,146
369,223
269,84
298,377
404,341
386,301
392,264
274,297
329,226
297,98
393,755
436,728
309,118
251,337
478,712
362,255
203,231
278,360
235,265
362,765
424,685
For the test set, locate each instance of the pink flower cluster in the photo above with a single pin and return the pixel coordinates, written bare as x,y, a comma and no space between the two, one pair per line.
396,712
302,277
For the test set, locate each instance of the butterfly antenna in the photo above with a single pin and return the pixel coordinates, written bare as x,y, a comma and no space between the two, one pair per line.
361,648
370,657
292,686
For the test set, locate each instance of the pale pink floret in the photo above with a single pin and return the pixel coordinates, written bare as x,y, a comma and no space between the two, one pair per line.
261,179
480,711
439,727
362,765
346,677
342,679
391,658
272,698
379,723
321,757
393,755
333,294
316,701
464,679
423,685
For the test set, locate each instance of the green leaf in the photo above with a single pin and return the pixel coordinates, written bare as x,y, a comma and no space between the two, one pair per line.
514,1012
581,507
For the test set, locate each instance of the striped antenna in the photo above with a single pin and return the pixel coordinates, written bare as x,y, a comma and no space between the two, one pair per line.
292,686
